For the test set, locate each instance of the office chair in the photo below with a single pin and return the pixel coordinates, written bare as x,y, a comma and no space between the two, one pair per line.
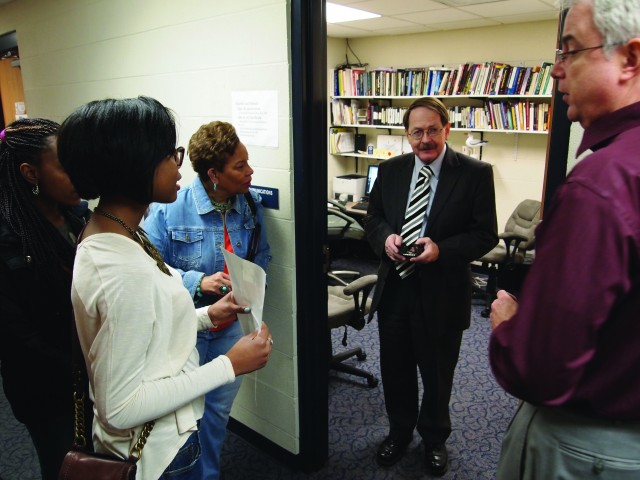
519,238
348,306
341,228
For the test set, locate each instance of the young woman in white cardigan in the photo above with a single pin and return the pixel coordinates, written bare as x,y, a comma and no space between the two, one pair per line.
136,322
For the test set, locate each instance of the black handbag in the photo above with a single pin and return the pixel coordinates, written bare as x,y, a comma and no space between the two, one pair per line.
80,463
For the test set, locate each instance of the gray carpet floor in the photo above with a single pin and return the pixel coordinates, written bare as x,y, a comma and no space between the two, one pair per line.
480,412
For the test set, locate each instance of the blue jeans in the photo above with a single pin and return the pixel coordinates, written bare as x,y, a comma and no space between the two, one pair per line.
182,467
213,425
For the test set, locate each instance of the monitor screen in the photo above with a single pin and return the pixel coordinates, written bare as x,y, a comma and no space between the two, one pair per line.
372,173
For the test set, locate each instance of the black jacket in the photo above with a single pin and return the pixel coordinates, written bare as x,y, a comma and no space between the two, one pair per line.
462,222
35,330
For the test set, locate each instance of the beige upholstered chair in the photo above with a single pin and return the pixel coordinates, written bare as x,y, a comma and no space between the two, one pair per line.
348,307
518,238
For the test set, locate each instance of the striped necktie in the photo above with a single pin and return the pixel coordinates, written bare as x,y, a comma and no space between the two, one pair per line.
414,216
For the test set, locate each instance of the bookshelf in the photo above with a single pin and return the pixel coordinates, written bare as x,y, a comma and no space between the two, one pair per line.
488,97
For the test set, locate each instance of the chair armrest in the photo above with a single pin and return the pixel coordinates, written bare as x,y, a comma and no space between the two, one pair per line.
360,284
514,242
508,236
339,214
360,289
337,205
349,220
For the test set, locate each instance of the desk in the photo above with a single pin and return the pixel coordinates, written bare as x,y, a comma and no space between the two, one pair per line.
354,211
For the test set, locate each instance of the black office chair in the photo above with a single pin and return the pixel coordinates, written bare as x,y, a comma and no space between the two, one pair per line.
519,238
348,306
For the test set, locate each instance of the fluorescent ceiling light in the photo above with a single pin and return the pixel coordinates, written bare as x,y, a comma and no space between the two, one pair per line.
465,3
340,13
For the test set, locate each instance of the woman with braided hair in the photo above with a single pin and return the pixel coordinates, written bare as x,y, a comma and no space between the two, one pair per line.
40,215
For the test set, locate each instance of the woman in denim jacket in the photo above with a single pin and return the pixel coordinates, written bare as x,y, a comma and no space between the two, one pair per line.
212,213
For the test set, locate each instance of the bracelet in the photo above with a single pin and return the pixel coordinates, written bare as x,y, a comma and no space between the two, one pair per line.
198,291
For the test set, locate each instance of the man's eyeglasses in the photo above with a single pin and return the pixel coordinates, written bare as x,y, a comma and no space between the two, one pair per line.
431,133
178,156
562,55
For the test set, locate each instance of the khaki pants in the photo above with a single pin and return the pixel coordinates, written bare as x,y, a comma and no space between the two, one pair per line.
547,443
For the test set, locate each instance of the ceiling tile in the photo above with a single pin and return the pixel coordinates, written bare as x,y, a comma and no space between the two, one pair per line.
375,24
396,7
529,17
509,7
438,16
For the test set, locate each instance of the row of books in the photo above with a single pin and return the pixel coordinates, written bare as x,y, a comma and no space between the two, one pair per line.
353,112
516,116
524,115
489,78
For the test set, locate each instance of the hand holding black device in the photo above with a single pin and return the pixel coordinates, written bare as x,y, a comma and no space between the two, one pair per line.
412,250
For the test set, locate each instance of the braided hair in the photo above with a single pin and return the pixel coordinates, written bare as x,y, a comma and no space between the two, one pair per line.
24,141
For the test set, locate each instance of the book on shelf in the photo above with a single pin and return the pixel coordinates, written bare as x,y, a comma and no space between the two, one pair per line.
504,82
526,71
496,78
544,74
547,86
513,80
436,77
456,82
488,78
342,141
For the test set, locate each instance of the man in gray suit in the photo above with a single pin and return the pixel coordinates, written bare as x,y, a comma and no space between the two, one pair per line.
424,301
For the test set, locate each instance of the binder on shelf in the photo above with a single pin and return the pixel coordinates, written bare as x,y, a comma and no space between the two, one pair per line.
342,141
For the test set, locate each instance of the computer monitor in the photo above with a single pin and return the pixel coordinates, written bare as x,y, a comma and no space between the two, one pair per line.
372,173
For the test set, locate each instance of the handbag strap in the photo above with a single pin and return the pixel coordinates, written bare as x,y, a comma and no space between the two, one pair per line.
255,235
80,379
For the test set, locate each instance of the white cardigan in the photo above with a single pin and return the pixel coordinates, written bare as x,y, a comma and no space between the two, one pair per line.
137,328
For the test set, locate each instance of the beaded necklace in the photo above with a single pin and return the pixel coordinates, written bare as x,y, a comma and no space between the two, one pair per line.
221,207
140,237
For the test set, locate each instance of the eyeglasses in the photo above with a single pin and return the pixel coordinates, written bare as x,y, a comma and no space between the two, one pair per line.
561,55
431,133
178,156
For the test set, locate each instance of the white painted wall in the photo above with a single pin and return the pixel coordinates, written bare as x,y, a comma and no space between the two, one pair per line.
191,55
518,159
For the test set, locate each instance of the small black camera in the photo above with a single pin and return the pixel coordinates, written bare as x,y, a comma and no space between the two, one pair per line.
410,251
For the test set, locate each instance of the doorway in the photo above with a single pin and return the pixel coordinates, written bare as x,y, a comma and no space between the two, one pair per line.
11,88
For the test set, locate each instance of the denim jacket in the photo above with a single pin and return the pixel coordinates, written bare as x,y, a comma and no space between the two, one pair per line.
189,234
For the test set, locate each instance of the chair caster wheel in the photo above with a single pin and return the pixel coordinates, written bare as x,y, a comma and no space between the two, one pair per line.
361,356
372,382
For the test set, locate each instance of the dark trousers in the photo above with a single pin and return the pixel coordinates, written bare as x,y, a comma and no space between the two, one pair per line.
52,438
407,345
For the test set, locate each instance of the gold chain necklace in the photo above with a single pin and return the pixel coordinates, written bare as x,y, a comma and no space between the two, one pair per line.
140,237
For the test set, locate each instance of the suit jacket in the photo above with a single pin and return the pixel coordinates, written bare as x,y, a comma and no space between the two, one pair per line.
462,222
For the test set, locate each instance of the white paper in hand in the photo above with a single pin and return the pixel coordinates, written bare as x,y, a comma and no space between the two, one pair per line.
248,283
